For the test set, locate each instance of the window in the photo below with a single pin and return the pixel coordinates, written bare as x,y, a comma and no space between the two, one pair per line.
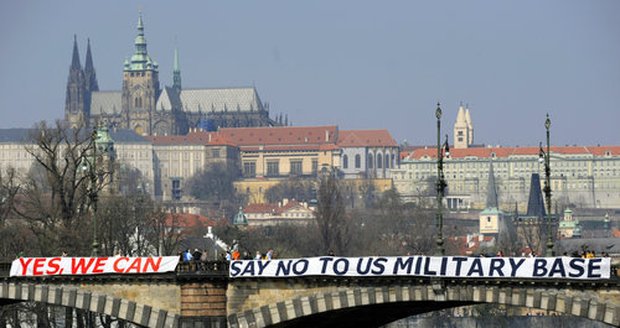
215,153
249,169
387,161
176,188
296,167
379,161
273,169
345,162
358,161
370,160
315,166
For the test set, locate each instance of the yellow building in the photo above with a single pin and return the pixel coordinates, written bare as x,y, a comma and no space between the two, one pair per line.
278,152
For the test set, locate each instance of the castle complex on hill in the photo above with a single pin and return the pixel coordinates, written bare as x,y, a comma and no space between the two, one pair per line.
171,133
143,106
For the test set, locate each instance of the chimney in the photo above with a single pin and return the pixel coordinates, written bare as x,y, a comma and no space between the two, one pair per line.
209,137
284,201
326,135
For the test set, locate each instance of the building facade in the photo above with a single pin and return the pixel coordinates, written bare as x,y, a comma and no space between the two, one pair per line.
129,151
581,176
283,152
146,107
368,153
178,158
284,212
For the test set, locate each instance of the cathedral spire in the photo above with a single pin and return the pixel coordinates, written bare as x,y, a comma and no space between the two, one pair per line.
140,60
140,24
88,65
140,41
75,61
491,189
175,67
176,72
89,71
74,98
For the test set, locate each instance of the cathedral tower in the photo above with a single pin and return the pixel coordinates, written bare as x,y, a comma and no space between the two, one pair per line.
80,86
140,86
90,80
463,129
75,97
470,127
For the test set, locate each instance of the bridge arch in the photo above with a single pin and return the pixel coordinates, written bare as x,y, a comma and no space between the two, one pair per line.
414,299
73,297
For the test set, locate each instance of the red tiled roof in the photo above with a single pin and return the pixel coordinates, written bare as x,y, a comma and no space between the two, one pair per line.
186,220
465,248
286,135
192,138
485,152
370,138
313,147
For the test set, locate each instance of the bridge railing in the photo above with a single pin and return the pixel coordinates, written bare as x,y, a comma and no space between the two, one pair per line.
215,268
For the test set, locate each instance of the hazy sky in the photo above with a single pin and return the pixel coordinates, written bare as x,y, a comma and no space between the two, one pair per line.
357,64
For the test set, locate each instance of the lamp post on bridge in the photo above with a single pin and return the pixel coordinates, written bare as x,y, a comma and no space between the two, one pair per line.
442,150
545,157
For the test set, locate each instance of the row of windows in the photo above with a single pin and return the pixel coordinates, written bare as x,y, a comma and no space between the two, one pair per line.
273,168
371,162
136,74
516,164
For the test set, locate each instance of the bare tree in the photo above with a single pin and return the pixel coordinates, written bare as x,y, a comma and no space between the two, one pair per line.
331,219
294,188
367,193
9,188
164,231
54,197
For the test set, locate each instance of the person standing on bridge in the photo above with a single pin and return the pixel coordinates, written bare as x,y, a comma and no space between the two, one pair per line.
187,256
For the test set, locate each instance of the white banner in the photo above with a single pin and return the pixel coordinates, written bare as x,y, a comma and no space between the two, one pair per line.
51,266
426,266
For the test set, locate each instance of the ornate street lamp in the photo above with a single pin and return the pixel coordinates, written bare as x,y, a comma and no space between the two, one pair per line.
545,157
442,150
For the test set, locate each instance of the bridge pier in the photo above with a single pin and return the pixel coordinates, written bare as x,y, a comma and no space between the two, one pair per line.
203,305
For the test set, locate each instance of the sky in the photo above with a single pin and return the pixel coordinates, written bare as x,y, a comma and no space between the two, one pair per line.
356,64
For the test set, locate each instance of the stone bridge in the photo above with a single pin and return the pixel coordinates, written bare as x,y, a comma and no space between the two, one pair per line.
206,297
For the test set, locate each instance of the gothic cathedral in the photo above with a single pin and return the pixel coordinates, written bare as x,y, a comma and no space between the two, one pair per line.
145,107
